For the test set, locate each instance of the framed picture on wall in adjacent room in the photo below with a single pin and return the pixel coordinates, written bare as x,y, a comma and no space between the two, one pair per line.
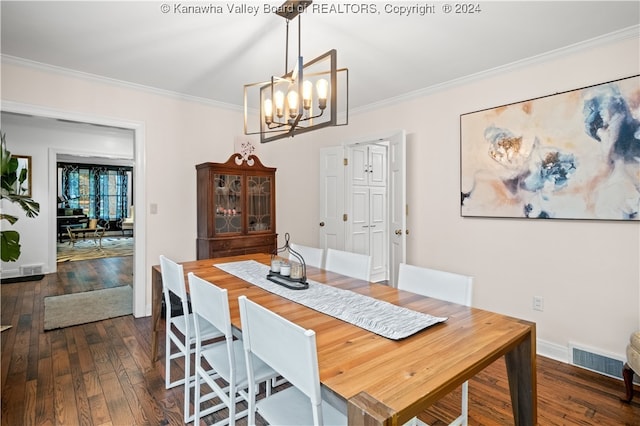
23,184
570,155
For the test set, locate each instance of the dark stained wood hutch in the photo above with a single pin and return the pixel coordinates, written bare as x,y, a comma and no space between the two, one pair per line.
236,208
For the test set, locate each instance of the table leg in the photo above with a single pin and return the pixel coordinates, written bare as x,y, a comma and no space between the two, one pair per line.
156,310
363,409
521,370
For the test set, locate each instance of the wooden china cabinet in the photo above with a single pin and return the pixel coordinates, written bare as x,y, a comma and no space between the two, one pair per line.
236,208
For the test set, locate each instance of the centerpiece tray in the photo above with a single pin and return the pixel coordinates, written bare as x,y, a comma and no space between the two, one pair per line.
285,281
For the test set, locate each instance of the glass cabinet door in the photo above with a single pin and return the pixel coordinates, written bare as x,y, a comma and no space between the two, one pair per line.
259,203
228,203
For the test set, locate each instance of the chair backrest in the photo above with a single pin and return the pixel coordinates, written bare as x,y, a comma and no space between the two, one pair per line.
441,285
173,280
354,265
312,256
211,303
286,347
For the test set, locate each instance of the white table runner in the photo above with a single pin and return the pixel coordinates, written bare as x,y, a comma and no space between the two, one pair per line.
380,317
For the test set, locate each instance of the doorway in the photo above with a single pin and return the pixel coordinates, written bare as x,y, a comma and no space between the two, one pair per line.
363,201
141,304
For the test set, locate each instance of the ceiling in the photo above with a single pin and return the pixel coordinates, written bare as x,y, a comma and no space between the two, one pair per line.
212,55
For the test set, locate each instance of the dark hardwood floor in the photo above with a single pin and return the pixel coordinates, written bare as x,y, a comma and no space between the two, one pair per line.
100,373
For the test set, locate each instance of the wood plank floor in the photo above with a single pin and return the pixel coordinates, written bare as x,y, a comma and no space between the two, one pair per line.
100,373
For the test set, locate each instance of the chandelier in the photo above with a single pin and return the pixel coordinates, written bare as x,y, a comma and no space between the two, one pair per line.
305,98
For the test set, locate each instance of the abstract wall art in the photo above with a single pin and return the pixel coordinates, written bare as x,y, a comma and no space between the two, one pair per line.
571,155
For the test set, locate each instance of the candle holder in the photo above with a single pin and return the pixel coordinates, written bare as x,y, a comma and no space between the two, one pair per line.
292,275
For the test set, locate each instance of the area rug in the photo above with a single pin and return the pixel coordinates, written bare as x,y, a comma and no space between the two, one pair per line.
88,249
89,306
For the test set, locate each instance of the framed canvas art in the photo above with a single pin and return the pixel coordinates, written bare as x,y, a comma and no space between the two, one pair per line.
571,155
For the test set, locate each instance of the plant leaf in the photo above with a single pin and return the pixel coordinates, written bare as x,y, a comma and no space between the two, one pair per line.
9,246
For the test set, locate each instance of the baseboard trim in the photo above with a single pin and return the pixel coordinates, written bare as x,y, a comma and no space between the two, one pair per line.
553,351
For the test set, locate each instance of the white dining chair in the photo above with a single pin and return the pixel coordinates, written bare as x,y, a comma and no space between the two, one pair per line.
313,256
180,331
443,285
347,263
221,367
290,350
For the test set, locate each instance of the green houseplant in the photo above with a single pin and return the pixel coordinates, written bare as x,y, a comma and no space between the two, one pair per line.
10,181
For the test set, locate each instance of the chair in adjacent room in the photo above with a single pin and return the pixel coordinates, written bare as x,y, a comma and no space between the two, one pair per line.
347,263
127,222
226,362
291,351
312,256
180,330
443,285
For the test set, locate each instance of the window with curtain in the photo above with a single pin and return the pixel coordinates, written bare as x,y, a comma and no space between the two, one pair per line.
102,192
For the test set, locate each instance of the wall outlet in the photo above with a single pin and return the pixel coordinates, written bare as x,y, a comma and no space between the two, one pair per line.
538,303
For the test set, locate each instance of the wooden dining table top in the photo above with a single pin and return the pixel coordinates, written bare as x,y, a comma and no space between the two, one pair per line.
386,381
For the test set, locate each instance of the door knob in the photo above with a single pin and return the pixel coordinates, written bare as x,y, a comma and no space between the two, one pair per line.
398,231
321,223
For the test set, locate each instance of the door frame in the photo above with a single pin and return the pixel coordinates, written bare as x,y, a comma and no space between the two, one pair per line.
377,139
140,306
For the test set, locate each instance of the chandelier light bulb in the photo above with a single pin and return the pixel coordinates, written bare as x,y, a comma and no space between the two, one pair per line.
279,99
322,86
307,93
292,101
268,111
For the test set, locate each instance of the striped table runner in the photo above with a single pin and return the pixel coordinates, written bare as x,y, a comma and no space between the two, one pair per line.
377,316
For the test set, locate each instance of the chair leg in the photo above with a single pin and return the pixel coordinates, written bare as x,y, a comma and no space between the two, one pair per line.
167,355
196,396
187,387
627,374
465,404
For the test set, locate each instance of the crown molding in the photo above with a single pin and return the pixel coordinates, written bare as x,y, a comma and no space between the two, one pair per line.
14,60
626,33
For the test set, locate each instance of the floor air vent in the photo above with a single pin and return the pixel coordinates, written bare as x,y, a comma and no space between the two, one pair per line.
27,270
591,360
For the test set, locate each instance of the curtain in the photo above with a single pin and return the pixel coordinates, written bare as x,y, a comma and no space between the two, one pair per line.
100,191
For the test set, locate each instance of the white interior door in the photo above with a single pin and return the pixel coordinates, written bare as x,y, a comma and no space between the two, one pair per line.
383,166
397,204
332,210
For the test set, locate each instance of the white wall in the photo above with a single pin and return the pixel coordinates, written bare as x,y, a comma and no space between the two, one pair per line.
587,271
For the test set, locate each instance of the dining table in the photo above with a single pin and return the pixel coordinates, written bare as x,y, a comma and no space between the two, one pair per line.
378,380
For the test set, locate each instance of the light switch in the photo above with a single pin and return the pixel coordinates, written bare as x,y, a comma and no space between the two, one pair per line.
153,208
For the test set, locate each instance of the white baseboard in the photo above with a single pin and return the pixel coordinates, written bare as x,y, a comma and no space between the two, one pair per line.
553,351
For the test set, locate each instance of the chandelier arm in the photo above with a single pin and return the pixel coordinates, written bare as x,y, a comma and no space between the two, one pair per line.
299,36
286,50
312,117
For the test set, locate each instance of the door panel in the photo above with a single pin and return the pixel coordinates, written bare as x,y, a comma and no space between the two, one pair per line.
397,204
359,220
378,233
332,225
377,166
358,165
